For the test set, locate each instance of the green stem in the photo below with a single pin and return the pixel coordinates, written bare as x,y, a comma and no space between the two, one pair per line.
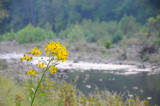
39,83
37,87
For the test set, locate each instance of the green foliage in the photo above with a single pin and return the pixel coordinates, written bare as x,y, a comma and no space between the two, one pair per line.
47,26
151,39
29,34
154,23
95,31
60,13
116,38
3,11
73,32
152,31
10,93
128,25
91,31
8,35
54,93
107,44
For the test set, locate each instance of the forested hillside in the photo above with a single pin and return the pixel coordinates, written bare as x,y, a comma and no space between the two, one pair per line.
57,14
126,23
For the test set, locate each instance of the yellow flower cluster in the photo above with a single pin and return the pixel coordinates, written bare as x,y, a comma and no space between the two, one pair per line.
31,72
53,69
58,50
26,57
40,65
36,52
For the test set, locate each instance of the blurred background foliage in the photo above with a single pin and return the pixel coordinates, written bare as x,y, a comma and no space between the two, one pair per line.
103,22
59,13
29,34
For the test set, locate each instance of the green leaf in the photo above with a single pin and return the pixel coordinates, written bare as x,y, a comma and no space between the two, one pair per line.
60,103
42,94
18,103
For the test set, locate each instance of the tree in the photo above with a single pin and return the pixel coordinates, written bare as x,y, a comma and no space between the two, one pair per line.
3,12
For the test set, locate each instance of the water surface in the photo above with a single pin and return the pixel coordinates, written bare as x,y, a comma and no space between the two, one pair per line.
147,87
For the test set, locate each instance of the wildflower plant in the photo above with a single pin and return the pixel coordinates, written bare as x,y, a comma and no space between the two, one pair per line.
57,53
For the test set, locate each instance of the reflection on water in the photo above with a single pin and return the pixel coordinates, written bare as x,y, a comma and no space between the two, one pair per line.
142,85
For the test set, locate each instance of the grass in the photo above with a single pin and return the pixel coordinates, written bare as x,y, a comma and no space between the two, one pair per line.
10,92
3,64
54,93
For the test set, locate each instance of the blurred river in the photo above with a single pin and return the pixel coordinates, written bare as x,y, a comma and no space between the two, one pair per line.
147,87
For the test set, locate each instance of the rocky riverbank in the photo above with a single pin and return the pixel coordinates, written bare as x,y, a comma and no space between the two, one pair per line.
79,60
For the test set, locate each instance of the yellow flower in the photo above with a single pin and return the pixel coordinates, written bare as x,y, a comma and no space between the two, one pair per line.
31,52
22,59
36,52
31,72
53,69
34,73
40,65
47,52
26,57
58,50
